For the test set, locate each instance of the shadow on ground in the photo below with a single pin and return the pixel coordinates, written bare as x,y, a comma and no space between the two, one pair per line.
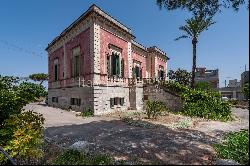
160,145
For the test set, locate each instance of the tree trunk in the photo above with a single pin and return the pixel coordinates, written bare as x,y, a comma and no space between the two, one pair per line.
194,42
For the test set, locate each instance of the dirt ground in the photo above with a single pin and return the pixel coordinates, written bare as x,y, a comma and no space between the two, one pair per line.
162,144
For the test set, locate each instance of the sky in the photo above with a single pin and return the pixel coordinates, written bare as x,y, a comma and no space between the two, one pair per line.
26,28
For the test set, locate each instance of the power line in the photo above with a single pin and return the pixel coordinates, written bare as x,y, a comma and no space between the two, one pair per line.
14,47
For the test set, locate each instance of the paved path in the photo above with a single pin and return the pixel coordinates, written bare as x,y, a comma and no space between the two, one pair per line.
216,128
160,145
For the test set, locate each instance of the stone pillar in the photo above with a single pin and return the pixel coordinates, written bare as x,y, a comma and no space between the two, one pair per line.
95,52
234,94
130,63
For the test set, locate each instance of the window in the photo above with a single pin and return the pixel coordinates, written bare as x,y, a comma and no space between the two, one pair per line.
161,74
145,97
75,101
115,64
54,99
76,62
116,101
56,70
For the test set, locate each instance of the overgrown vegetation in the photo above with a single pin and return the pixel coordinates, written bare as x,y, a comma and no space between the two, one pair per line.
181,76
201,103
205,105
246,90
20,132
154,108
235,146
87,112
203,86
74,157
41,77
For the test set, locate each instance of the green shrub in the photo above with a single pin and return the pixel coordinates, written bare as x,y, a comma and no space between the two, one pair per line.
245,90
154,108
174,87
205,105
233,102
203,86
87,112
21,135
235,146
74,157
20,132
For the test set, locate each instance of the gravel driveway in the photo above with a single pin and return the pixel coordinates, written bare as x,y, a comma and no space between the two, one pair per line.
159,145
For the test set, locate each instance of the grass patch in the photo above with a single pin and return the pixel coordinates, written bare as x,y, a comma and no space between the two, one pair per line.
235,146
75,157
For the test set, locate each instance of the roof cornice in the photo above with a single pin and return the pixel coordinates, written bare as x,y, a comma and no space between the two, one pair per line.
99,11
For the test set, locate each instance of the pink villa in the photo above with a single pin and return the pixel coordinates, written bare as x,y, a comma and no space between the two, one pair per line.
96,63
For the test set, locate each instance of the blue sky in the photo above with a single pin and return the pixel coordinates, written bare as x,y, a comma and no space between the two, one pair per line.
28,26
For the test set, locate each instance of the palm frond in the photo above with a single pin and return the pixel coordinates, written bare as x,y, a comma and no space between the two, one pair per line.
181,37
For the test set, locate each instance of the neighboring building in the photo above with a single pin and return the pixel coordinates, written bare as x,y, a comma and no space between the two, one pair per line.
234,83
232,92
210,76
100,52
244,78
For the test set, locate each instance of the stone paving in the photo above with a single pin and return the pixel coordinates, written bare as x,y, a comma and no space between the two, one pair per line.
161,145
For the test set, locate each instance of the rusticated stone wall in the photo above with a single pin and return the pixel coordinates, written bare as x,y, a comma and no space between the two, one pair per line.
157,93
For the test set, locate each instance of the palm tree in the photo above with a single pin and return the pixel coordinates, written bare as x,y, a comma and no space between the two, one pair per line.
193,28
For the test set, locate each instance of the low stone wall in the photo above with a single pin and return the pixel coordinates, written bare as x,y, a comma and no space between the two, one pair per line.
157,93
65,94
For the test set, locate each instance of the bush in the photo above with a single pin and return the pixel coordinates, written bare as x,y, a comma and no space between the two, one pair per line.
14,97
235,146
31,91
74,157
21,135
203,86
154,108
174,87
87,112
233,102
205,105
20,132
245,90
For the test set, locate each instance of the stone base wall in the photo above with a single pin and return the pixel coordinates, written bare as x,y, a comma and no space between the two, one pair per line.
97,98
65,94
103,94
154,92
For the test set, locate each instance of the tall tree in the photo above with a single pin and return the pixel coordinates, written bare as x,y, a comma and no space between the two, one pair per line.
193,28
39,77
181,76
195,6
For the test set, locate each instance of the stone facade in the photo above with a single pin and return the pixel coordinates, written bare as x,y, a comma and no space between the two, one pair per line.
158,93
96,63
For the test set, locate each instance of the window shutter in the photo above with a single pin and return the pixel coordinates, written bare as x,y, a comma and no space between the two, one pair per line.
133,69
140,73
118,67
108,65
112,102
122,68
121,101
113,65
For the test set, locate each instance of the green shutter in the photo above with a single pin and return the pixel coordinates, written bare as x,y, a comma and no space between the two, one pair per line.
122,68
112,102
113,64
108,65
118,66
